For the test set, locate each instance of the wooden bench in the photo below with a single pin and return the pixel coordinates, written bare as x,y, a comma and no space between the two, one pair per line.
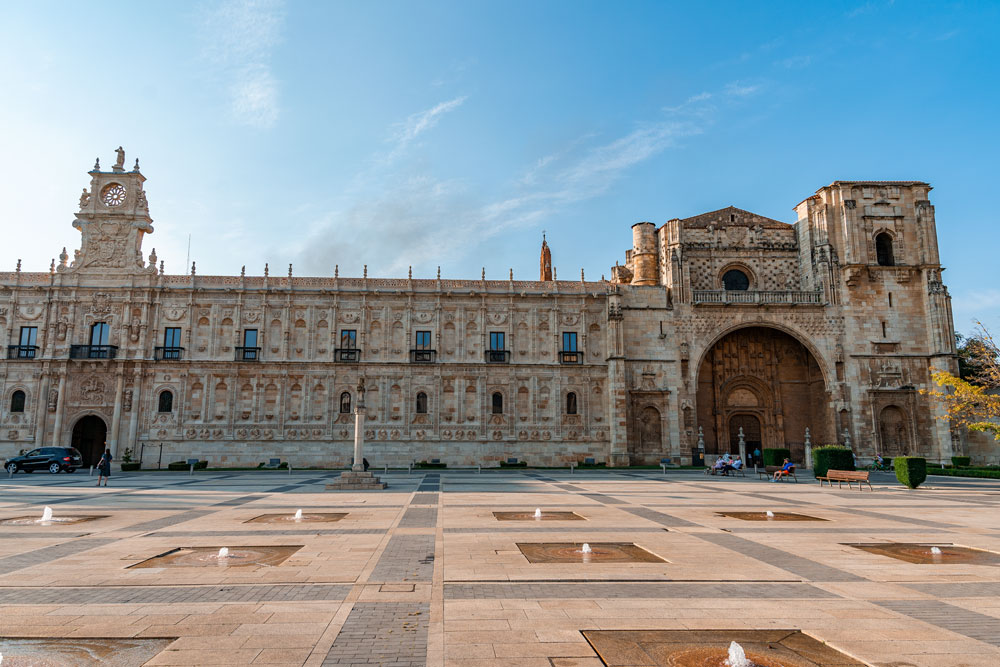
769,471
710,470
849,476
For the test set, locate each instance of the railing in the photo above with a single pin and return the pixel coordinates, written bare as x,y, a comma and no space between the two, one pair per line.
570,357
93,351
423,356
248,354
498,356
348,355
756,296
167,353
22,351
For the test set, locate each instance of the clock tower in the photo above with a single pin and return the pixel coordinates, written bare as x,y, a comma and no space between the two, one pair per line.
113,217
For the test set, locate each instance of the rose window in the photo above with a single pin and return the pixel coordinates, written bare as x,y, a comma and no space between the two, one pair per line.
113,195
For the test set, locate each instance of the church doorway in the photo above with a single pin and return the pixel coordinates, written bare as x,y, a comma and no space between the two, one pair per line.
893,432
648,447
89,436
751,434
770,384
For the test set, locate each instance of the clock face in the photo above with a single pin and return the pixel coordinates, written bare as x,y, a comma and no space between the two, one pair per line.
113,194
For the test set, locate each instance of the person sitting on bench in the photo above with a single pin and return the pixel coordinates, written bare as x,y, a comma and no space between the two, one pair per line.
786,467
718,467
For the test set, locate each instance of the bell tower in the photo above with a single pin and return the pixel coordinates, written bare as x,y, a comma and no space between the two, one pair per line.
113,217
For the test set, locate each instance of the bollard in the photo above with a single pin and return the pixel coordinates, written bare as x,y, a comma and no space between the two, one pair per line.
289,468
409,468
91,473
479,468
192,469
10,473
386,470
664,466
572,468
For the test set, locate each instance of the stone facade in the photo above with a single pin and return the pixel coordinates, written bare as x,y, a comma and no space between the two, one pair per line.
830,324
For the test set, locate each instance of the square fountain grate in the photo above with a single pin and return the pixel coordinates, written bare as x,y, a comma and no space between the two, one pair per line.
307,517
762,516
922,554
547,515
572,552
704,648
62,520
79,652
266,556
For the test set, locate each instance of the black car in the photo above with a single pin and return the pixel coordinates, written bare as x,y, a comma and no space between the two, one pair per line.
53,459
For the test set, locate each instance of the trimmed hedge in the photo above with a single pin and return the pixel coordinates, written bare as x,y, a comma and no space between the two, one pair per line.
519,464
425,464
128,467
775,457
966,472
831,457
961,461
911,471
184,465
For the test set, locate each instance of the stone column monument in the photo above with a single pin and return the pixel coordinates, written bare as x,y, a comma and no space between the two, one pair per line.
357,478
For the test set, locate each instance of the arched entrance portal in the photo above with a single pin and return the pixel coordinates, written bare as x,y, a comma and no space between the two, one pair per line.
768,383
893,432
89,436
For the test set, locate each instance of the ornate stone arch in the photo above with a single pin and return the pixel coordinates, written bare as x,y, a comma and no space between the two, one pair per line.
737,266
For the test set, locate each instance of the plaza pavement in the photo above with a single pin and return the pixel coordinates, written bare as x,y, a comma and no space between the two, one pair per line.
422,573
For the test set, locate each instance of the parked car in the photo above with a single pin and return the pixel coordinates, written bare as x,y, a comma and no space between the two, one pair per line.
53,459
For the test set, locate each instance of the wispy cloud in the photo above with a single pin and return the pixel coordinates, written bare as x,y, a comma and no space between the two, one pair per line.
239,40
421,218
945,36
795,62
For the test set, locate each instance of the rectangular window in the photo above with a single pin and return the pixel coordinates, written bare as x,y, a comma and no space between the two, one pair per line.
497,341
423,340
569,341
99,333
348,339
172,337
249,338
29,336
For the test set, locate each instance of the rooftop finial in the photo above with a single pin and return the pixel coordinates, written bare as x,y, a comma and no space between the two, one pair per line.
581,276
484,273
410,274
136,167
289,270
439,273
265,270
366,270
243,271
18,266
545,261
336,270
192,268
161,267
511,274
63,257
52,266
97,164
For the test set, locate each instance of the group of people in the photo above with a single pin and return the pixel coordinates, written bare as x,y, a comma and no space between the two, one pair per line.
726,464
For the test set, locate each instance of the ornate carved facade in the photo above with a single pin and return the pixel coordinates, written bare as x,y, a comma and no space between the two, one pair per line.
723,321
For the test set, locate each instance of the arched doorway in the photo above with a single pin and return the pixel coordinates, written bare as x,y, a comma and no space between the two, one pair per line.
751,434
893,432
89,436
767,382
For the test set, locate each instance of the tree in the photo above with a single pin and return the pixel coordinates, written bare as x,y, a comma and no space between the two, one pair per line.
972,398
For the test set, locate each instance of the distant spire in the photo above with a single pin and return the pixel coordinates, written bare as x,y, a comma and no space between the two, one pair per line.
545,261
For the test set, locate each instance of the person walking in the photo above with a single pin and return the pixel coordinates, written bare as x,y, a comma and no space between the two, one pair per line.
104,468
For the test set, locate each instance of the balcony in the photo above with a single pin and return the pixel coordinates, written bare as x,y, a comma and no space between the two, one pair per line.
22,351
570,357
349,355
168,353
93,351
423,356
757,297
248,354
498,356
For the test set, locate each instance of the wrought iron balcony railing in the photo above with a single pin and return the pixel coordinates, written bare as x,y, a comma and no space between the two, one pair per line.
248,354
570,357
757,297
22,351
93,351
423,356
350,355
168,353
498,356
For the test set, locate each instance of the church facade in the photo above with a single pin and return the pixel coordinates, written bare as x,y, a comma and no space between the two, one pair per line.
722,331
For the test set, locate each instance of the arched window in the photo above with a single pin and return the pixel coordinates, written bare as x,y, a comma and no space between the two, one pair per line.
345,403
734,279
883,250
571,403
497,403
421,403
17,401
166,402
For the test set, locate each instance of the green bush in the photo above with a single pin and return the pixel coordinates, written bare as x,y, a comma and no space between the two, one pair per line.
201,465
982,473
831,457
178,465
775,457
519,464
961,461
911,471
425,464
130,465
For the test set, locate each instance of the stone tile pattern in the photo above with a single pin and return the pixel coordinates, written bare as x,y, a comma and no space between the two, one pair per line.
419,517
393,634
962,621
406,558
50,553
173,594
644,590
803,567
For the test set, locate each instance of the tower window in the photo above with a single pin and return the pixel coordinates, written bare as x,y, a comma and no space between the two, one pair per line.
345,403
166,402
498,403
735,280
421,403
17,401
883,330
571,403
883,250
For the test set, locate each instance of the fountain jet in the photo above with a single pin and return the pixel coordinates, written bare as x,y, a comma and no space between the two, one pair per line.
586,548
935,551
47,513
737,657
770,514
538,512
298,515
223,553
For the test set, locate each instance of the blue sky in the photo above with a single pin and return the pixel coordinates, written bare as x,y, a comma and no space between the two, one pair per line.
452,134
